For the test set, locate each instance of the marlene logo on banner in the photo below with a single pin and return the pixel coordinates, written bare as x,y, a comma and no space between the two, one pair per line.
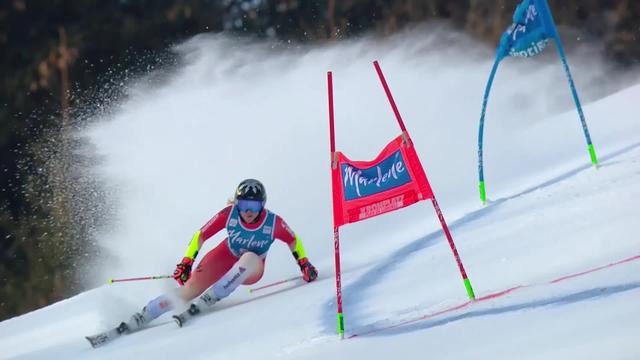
395,179
386,175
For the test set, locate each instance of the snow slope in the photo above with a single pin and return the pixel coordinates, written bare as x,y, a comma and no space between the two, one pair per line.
174,153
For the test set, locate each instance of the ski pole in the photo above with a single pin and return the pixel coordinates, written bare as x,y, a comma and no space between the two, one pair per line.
111,281
275,283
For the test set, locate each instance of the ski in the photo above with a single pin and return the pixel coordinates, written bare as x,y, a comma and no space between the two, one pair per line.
108,336
100,339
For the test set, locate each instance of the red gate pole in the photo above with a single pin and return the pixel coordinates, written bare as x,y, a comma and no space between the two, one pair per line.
390,97
452,245
336,231
445,228
336,243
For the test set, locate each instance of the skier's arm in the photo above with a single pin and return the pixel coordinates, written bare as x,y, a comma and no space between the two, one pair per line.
213,226
284,233
217,223
297,249
194,245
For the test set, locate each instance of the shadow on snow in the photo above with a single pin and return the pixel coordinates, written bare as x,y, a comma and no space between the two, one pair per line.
591,294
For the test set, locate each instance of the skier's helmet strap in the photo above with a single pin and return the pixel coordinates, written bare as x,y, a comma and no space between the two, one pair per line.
251,189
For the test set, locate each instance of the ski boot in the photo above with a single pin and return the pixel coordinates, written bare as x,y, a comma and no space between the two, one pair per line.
205,301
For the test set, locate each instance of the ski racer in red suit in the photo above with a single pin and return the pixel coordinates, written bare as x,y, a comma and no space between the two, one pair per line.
238,259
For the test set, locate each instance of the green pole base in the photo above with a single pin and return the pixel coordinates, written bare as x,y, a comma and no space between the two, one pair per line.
592,153
340,326
483,194
467,285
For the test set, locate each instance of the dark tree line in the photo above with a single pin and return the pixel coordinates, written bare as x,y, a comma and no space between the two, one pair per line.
55,54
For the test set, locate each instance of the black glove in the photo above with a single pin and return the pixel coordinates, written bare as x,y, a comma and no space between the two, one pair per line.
183,271
309,272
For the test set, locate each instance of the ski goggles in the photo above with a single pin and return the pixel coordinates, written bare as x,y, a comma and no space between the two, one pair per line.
249,205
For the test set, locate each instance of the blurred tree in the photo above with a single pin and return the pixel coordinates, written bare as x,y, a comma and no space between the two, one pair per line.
52,53
623,44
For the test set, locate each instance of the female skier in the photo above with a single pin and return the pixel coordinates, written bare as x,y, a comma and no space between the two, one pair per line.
238,259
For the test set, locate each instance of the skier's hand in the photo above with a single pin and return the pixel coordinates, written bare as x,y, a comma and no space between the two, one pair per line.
309,272
183,270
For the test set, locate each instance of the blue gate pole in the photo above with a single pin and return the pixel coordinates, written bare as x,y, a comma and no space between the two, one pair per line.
550,24
485,99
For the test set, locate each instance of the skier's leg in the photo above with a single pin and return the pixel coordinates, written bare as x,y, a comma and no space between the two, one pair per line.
210,269
248,269
152,310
